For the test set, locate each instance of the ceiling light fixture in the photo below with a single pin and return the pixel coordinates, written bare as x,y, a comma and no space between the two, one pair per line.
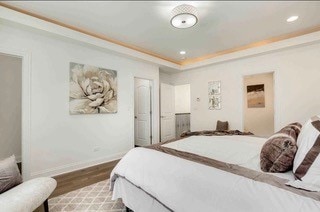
184,16
292,18
182,52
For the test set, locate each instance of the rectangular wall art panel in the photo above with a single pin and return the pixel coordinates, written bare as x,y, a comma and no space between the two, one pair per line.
214,88
214,94
215,102
92,90
255,96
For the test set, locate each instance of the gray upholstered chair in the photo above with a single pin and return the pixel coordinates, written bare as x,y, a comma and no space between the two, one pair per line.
28,196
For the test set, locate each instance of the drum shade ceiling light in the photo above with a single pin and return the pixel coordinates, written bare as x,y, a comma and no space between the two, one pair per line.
184,16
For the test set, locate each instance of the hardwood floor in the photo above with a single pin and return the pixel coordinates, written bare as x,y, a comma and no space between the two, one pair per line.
81,178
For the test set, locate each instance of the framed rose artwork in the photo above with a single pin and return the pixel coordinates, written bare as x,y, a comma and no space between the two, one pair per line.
92,90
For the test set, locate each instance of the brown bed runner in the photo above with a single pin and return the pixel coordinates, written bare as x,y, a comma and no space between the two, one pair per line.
214,133
235,169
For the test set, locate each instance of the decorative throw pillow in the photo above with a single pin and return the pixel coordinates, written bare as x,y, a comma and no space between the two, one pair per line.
277,154
9,174
296,126
306,165
222,125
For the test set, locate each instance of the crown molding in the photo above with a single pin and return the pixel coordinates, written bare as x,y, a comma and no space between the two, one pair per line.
26,18
13,14
264,48
250,46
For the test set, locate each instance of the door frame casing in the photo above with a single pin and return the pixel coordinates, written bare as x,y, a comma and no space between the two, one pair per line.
26,106
275,105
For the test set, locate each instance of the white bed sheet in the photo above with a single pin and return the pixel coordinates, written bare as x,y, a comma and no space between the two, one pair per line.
184,185
236,149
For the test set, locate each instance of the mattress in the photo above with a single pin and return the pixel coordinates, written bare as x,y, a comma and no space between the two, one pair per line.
178,184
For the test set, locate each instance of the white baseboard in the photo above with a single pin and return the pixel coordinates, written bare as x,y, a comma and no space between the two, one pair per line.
76,166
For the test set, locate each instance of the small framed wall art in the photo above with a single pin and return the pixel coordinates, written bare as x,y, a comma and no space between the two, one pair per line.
214,94
255,96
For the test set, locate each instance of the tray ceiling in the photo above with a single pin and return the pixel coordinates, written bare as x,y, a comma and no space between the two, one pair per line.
146,25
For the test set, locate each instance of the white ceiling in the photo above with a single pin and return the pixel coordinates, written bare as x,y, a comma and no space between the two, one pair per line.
221,26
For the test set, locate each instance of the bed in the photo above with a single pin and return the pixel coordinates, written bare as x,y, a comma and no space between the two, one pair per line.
206,173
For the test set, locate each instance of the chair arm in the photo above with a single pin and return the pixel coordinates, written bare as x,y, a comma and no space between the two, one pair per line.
28,195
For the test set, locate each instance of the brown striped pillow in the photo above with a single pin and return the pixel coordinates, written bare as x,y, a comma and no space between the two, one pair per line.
278,152
296,126
307,161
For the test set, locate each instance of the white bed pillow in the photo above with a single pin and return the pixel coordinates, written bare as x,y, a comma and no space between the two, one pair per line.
306,165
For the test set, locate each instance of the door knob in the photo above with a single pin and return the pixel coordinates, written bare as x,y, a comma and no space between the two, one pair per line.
162,117
135,117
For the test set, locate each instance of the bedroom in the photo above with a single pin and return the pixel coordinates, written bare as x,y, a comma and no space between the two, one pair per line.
124,41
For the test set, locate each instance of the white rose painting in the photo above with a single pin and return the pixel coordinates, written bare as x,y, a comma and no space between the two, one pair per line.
92,90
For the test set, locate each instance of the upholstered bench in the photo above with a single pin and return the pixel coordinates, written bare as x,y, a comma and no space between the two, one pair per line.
28,196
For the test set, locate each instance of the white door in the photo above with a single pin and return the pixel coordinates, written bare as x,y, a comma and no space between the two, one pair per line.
168,127
142,112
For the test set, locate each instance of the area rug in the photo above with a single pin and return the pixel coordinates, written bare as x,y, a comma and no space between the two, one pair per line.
95,197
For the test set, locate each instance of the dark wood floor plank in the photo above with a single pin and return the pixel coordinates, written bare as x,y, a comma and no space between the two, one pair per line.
80,178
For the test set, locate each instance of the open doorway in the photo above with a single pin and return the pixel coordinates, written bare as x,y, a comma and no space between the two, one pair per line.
182,108
11,107
142,112
174,110
258,107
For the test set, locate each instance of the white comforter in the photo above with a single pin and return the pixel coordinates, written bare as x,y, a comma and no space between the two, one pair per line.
183,185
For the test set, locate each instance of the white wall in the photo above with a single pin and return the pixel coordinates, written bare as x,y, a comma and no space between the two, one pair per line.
296,72
182,98
165,78
259,121
61,142
10,106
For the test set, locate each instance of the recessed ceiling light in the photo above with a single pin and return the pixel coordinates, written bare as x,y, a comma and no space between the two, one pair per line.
184,16
292,18
182,52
